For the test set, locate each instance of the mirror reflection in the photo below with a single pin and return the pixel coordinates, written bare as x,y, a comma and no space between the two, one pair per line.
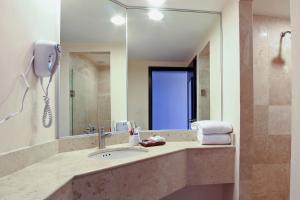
158,69
174,68
93,75
89,92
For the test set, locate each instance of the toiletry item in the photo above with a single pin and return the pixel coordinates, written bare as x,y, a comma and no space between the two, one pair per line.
133,124
134,137
129,125
130,131
122,126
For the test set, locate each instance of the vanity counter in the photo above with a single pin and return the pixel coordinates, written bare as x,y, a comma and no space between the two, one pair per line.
57,175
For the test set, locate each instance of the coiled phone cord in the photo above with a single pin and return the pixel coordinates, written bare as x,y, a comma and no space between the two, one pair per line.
47,115
24,77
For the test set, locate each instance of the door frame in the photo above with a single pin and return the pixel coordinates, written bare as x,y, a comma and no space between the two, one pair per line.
171,69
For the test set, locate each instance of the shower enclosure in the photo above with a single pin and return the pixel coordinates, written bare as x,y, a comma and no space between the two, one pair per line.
89,93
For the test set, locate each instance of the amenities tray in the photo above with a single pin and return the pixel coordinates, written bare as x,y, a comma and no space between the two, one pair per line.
151,143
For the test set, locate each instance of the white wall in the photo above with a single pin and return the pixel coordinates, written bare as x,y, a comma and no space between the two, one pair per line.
22,23
213,37
138,88
231,64
64,128
295,160
215,73
231,74
118,80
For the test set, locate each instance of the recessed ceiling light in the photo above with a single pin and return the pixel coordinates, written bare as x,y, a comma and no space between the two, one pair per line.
118,20
155,15
157,2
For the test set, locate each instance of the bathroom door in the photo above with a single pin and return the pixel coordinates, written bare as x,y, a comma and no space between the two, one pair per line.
192,97
171,98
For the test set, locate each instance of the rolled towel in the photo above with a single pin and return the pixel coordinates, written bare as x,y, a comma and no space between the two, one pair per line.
212,127
220,139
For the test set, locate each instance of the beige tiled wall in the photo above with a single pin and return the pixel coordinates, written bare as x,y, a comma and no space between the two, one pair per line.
215,192
272,110
245,143
204,82
104,98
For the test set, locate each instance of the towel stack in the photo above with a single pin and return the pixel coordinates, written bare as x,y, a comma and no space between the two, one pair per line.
213,132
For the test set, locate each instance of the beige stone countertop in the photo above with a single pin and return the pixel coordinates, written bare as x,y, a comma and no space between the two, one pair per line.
42,179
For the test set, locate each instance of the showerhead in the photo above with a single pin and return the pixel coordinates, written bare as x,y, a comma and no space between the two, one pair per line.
284,33
278,60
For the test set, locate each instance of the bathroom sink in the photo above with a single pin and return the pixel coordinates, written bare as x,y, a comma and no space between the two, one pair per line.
118,153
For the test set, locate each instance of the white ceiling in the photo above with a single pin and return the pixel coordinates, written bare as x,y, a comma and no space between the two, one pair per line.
277,8
87,21
176,38
207,5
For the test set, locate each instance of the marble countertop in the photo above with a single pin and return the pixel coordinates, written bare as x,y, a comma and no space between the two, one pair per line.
40,180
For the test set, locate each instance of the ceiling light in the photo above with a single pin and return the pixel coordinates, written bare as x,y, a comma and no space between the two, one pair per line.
157,2
118,20
155,15
263,34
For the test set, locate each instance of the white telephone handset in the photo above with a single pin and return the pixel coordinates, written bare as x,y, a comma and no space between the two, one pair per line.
46,58
46,61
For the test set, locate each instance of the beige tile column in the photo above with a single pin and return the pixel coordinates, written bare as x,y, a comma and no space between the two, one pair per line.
246,98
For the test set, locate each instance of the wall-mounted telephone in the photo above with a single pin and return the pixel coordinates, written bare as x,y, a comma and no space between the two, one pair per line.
46,58
46,61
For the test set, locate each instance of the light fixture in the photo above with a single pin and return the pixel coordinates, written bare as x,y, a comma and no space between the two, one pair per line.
155,14
156,2
118,20
264,34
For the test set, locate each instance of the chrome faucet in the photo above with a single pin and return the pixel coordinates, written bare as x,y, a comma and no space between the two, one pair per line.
102,135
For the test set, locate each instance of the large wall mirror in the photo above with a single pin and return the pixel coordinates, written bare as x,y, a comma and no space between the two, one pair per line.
174,67
93,73
158,68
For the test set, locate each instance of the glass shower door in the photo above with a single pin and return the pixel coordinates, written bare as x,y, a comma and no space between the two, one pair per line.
83,101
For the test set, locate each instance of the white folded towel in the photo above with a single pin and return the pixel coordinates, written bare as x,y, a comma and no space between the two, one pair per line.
212,127
214,139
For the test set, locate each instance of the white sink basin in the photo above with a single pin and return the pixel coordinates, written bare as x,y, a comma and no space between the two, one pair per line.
119,153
